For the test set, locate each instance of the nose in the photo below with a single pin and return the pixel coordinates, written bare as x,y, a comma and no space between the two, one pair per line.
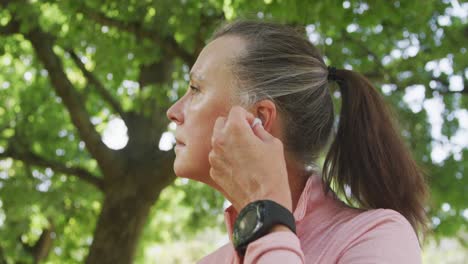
175,113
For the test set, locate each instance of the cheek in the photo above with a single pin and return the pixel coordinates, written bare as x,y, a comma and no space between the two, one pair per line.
200,143
192,161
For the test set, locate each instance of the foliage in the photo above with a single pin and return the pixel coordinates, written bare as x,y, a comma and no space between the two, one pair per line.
412,50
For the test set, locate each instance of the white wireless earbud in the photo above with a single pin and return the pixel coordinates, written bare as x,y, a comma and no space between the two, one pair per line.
256,122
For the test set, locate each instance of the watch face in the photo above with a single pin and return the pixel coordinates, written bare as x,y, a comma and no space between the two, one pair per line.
248,222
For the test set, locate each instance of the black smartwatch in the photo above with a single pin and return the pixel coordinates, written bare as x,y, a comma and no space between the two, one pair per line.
256,219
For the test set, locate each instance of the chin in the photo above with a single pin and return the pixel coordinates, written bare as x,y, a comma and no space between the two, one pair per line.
184,170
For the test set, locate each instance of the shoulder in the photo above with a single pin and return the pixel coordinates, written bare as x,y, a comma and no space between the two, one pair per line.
380,219
382,224
381,234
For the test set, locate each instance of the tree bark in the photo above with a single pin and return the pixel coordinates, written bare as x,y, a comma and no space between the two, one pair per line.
118,229
126,206
2,257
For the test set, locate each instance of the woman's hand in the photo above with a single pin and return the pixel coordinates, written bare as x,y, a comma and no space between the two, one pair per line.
248,164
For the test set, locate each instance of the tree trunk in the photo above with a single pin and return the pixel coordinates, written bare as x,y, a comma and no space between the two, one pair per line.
118,229
2,257
127,202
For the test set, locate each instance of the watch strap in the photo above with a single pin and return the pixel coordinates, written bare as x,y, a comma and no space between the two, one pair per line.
272,214
278,214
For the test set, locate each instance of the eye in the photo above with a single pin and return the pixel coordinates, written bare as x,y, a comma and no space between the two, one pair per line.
194,89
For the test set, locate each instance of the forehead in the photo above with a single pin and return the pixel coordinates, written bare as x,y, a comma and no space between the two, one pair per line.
215,59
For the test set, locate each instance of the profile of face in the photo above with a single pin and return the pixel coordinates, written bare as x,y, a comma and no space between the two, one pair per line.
208,97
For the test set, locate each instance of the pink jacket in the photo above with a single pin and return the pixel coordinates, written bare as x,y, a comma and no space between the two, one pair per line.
328,231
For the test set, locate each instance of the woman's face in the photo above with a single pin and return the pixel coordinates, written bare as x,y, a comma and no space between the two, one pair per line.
208,97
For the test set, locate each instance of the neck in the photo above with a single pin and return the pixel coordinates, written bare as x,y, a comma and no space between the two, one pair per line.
297,176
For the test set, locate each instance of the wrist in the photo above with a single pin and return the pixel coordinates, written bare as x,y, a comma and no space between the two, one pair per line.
260,218
284,201
279,228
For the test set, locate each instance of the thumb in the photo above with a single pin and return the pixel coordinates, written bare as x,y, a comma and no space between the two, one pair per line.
260,132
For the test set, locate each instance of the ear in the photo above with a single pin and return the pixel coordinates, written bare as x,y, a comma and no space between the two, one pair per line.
267,112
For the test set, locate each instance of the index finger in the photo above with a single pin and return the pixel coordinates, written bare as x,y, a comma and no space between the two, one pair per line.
241,115
218,127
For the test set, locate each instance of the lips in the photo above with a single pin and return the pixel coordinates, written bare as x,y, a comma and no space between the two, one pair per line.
179,142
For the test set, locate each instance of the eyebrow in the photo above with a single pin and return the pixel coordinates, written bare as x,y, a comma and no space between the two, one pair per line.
196,76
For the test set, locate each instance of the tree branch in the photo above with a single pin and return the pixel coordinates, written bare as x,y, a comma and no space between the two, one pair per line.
4,3
31,158
13,25
93,80
162,164
11,28
168,43
2,256
367,51
380,73
442,88
43,43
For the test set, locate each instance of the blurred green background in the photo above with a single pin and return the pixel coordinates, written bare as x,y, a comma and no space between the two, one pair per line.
86,149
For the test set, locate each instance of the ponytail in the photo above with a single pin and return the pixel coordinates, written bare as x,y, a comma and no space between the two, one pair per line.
369,157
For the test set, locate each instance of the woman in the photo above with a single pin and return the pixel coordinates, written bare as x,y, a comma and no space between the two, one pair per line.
283,210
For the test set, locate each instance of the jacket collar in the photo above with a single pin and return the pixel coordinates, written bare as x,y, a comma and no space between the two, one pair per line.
311,197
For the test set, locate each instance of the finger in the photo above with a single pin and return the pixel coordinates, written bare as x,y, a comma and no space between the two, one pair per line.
241,117
250,117
257,121
212,173
216,175
218,128
216,161
212,158
260,132
217,165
